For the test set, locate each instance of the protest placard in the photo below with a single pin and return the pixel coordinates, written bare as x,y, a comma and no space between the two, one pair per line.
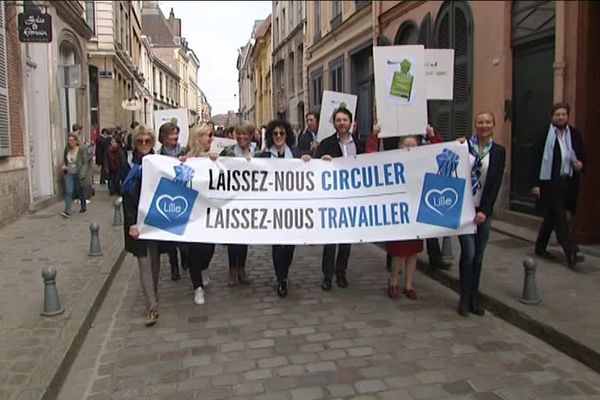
400,90
439,74
394,195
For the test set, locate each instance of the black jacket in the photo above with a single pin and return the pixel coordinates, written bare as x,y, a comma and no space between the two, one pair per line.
330,146
130,210
493,180
304,141
267,154
549,189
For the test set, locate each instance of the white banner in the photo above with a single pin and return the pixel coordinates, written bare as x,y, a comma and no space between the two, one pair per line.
332,101
439,74
178,116
400,90
219,143
393,195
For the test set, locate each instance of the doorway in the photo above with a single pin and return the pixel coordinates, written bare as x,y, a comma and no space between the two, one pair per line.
533,80
362,78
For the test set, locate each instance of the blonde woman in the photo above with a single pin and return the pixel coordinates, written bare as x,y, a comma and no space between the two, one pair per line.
146,251
200,254
74,168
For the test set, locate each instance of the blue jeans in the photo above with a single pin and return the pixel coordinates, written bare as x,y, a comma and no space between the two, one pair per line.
472,248
73,186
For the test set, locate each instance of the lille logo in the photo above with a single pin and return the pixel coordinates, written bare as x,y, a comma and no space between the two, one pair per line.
171,207
441,201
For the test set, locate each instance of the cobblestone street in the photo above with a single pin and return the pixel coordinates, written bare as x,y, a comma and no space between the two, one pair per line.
246,343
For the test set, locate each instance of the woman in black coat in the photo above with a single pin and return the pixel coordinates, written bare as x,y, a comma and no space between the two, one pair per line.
146,251
488,168
280,140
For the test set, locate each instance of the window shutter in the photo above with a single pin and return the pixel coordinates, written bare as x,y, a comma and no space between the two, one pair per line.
462,90
441,110
425,31
5,149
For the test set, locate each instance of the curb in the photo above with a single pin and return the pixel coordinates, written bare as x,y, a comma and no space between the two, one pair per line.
109,268
525,322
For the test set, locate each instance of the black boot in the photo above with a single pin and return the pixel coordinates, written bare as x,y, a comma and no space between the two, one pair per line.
175,272
282,289
476,307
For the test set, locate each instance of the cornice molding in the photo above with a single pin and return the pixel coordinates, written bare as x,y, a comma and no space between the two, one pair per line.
72,13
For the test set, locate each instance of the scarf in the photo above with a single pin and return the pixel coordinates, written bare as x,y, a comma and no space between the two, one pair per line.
174,152
288,152
548,157
479,155
237,150
135,173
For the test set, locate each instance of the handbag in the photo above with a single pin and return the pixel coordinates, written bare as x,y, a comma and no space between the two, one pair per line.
442,194
173,202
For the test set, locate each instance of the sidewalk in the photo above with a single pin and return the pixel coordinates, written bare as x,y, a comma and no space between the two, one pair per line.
567,318
34,348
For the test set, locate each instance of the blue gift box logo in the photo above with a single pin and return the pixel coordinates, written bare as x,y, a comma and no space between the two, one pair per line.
442,194
173,202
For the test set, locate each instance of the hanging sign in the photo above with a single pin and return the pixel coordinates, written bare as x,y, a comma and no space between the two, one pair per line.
35,27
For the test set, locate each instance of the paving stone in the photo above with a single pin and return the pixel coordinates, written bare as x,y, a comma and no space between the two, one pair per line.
370,386
313,393
340,390
248,388
272,362
258,374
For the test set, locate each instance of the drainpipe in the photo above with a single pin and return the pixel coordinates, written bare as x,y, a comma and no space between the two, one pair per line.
559,52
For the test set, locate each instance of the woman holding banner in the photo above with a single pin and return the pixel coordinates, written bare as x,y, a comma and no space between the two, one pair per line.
237,253
280,139
340,144
200,254
146,251
488,159
404,251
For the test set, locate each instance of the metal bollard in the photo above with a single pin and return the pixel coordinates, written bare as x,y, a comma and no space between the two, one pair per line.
52,304
118,215
530,291
447,255
95,249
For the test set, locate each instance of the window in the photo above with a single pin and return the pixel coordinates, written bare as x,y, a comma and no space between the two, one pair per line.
408,33
317,6
5,147
317,89
454,30
300,67
425,31
361,3
336,75
277,35
90,14
283,23
337,13
291,66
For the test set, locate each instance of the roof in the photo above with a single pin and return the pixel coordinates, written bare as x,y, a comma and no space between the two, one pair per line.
264,27
154,25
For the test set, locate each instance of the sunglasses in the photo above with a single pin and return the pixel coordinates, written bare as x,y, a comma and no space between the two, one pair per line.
144,141
278,133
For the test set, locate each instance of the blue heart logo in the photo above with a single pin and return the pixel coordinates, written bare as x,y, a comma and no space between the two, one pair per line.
171,207
441,201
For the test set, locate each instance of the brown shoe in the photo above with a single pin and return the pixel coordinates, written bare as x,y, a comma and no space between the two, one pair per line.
233,277
242,277
152,318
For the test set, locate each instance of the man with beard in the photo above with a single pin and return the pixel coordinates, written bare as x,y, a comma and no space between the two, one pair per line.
558,158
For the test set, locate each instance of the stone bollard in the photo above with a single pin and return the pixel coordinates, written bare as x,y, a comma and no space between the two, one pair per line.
447,255
95,249
52,304
118,214
530,291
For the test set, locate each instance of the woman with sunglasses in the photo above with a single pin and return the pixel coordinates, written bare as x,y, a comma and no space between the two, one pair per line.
200,254
488,159
146,251
280,140
237,253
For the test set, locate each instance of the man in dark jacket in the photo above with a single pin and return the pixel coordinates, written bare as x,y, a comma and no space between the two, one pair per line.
307,140
558,158
340,144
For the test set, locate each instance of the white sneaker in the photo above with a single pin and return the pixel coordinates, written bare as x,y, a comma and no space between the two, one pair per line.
199,296
205,279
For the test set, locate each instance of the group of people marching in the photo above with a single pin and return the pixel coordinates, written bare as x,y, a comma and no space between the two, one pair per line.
487,159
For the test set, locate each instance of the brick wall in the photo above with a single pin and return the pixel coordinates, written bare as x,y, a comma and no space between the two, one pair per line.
15,81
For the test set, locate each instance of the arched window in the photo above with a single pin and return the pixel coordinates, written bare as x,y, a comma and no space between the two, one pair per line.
408,33
454,30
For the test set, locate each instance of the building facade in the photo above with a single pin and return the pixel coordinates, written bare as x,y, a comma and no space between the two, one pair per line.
146,72
288,60
515,59
339,55
166,86
115,57
261,53
204,108
247,96
193,88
